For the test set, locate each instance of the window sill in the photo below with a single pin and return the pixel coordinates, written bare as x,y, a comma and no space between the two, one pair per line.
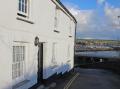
56,31
68,61
22,15
20,84
54,66
24,19
70,36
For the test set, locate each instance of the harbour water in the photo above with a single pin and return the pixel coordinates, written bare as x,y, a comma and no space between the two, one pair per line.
101,54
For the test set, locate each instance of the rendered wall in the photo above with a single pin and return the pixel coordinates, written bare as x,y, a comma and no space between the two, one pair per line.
42,13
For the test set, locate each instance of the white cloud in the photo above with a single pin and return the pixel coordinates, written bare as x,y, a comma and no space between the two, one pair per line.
91,25
83,16
112,13
100,1
88,38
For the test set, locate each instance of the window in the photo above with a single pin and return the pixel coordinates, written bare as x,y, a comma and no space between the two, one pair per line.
54,54
70,27
68,51
23,7
18,64
56,18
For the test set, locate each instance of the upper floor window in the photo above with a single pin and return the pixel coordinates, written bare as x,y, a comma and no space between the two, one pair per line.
23,7
70,27
56,19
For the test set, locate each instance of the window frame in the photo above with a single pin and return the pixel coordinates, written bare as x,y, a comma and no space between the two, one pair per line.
54,55
68,51
70,27
56,19
25,7
22,77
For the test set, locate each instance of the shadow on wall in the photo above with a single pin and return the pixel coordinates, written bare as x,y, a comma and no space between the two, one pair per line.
31,78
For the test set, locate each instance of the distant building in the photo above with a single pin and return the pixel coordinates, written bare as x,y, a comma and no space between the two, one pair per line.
36,41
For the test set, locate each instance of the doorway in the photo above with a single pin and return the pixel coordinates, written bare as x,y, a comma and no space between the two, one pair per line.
40,63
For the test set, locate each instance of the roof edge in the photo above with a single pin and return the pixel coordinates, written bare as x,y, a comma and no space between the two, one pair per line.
60,3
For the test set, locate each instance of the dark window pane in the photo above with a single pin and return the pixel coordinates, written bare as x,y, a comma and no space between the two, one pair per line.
23,8
19,5
19,1
23,5
26,4
23,1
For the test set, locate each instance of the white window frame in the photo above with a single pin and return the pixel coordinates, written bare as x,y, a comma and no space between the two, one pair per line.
22,77
68,51
24,6
56,18
70,27
54,54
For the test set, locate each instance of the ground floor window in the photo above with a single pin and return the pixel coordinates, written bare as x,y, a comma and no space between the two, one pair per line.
54,54
68,51
18,63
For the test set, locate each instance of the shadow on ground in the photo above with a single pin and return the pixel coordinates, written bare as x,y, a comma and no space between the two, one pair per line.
90,79
96,79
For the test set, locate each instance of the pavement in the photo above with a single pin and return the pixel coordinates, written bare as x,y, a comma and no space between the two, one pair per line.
96,79
58,82
86,79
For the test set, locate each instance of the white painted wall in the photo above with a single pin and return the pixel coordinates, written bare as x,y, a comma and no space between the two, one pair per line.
42,13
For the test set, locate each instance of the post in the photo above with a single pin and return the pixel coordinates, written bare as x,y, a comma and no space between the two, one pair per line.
119,29
119,22
119,19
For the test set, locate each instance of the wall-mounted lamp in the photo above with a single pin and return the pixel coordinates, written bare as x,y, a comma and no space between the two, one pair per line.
36,42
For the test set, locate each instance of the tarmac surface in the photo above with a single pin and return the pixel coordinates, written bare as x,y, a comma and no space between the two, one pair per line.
85,79
95,79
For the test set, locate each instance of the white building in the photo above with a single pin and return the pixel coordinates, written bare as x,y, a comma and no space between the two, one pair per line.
36,41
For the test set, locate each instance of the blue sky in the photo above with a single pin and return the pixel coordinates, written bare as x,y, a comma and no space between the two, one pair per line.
97,19
83,4
90,4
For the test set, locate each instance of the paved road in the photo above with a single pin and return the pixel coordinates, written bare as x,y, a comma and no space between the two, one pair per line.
96,79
